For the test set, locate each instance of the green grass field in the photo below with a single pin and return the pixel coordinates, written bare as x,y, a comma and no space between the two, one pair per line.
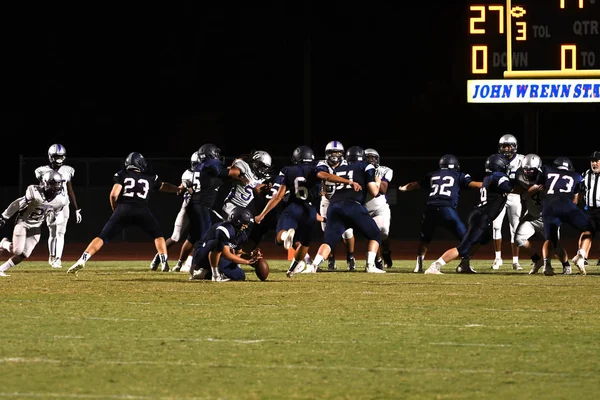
119,331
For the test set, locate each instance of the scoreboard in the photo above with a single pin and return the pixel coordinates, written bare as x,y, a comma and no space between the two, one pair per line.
533,51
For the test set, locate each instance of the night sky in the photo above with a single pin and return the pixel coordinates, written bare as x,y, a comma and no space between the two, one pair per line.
164,81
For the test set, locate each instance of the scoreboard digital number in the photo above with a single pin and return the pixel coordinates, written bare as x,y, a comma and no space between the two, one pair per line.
533,51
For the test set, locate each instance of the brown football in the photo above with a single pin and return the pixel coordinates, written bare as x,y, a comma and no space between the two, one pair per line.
261,268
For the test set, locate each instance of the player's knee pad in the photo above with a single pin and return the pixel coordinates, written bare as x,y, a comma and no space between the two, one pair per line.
61,230
520,241
176,236
348,234
496,233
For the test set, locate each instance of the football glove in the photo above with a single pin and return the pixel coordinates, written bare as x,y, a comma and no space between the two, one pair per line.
78,216
2,221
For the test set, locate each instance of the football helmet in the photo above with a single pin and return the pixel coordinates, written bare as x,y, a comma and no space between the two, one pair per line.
334,152
507,141
57,154
209,151
241,216
355,154
136,161
532,165
261,163
194,160
497,163
563,163
449,161
372,157
303,155
51,183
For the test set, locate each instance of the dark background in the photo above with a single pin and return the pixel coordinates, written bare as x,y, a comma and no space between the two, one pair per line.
107,80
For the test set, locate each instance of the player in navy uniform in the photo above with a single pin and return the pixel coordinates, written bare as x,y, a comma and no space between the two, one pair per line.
207,177
347,209
219,254
129,202
493,193
562,186
444,186
297,220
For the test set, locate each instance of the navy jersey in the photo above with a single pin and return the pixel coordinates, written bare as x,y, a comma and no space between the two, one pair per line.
445,186
361,172
300,180
559,184
136,186
493,192
223,234
207,178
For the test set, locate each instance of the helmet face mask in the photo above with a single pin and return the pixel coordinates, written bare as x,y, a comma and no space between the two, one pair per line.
51,183
372,157
334,152
56,155
531,166
507,146
261,163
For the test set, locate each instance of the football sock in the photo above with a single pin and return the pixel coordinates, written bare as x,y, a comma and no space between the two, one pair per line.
498,254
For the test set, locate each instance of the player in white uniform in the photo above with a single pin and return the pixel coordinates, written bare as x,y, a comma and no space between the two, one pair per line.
334,154
56,230
44,201
531,223
252,174
181,221
379,208
507,146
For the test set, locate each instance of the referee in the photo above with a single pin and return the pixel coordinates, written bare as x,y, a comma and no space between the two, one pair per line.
591,181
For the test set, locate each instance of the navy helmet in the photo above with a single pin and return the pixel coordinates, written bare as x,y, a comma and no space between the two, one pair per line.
497,163
449,161
136,161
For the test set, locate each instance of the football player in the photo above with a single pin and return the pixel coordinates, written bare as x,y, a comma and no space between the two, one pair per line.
44,201
379,208
493,192
334,154
562,187
181,221
298,218
56,230
129,197
219,254
507,146
444,186
591,194
531,222
347,209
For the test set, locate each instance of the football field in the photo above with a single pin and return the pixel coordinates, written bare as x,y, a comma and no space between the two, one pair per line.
116,330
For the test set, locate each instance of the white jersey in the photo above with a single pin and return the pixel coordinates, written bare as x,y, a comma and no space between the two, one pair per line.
187,176
374,203
242,194
66,171
327,188
33,207
514,164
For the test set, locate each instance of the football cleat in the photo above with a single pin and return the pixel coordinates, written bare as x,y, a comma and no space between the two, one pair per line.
387,258
465,266
165,266
372,269
536,267
289,239
2,273
75,267
548,270
57,263
351,264
155,262
330,264
434,269
419,267
567,270
379,263
497,263
178,266
517,267
580,263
